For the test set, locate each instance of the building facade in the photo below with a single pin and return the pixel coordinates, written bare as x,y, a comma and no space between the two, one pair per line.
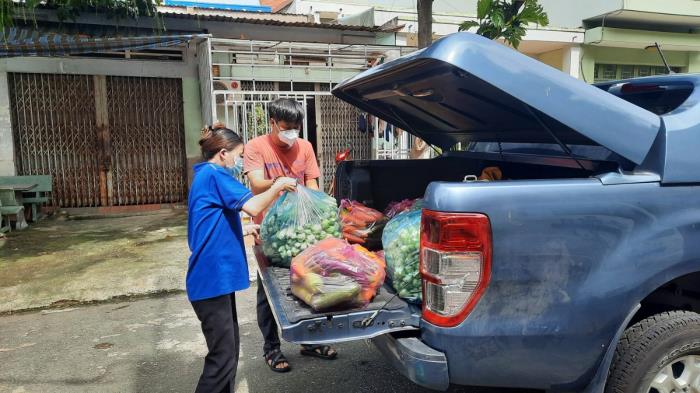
594,40
120,127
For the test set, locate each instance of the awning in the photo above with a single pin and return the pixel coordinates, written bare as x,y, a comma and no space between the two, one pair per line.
16,42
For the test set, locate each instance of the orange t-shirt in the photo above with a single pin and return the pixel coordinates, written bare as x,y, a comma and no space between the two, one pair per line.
298,162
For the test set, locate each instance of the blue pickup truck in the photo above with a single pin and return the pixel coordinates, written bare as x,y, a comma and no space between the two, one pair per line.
579,272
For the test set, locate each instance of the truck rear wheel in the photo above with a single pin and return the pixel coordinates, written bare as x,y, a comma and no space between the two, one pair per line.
660,354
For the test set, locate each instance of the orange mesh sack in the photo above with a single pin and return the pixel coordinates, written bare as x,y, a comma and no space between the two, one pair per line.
333,274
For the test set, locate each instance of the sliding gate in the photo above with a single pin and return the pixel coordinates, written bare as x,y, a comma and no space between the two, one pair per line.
106,140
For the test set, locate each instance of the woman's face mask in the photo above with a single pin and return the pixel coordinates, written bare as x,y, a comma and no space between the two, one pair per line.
237,168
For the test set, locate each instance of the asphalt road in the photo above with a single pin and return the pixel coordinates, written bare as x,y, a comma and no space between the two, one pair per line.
155,345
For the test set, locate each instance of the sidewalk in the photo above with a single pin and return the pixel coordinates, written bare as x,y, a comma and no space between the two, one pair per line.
60,262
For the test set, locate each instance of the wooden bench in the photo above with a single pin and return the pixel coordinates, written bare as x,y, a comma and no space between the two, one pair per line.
9,207
38,195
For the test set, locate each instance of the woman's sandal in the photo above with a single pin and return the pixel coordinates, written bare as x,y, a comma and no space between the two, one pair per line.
319,351
274,358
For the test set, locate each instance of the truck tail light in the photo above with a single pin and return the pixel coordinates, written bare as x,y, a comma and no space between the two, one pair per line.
455,264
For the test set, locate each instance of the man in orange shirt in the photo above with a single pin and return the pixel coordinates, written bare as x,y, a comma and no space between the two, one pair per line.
281,153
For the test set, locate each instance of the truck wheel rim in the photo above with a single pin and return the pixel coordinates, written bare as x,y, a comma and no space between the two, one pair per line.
680,376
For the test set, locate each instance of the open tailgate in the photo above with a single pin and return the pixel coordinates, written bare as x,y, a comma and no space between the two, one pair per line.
467,88
300,324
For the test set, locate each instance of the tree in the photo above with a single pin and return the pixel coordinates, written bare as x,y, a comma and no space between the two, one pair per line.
71,9
425,22
506,19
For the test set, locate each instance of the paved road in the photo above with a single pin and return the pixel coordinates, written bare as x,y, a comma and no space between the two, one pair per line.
155,345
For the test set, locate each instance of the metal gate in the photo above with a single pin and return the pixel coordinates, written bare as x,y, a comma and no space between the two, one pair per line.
146,128
247,112
54,134
105,140
338,130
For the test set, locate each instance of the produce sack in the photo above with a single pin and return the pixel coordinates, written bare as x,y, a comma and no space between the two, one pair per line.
296,221
401,241
335,274
396,208
361,224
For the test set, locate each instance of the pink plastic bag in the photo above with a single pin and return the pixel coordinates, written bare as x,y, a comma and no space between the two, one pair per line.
335,274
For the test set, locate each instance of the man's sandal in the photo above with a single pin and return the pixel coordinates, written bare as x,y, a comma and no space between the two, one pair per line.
275,358
319,351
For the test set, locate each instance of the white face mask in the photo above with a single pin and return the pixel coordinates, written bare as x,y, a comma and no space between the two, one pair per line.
289,137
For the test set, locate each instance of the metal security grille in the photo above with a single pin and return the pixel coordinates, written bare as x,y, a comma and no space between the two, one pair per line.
247,112
338,131
146,129
105,140
53,119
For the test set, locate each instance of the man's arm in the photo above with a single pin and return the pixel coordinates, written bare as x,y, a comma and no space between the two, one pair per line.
258,183
312,184
312,172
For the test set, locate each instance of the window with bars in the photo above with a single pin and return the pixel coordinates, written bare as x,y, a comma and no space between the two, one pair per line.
609,72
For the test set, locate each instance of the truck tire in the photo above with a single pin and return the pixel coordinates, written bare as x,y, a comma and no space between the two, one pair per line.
654,355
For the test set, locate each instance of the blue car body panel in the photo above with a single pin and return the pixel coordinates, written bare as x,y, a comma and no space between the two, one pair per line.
572,258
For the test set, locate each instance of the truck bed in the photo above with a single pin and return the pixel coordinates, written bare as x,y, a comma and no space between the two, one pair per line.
299,323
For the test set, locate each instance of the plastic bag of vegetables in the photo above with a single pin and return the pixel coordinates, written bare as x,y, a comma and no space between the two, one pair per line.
320,274
361,224
296,221
401,241
324,293
396,208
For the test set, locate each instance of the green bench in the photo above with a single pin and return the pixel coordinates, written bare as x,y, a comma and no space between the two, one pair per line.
9,207
35,197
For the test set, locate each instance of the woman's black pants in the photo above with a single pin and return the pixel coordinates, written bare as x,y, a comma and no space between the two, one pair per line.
220,328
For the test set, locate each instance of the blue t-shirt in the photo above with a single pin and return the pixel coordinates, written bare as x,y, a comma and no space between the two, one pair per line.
218,262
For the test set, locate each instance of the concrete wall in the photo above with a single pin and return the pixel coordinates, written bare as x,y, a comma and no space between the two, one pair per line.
7,163
675,7
571,13
185,70
193,122
603,55
632,38
553,58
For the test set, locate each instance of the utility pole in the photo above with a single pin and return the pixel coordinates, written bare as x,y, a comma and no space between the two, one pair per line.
425,23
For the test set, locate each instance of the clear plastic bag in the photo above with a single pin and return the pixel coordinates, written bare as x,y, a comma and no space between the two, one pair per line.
296,221
335,274
361,224
396,208
401,242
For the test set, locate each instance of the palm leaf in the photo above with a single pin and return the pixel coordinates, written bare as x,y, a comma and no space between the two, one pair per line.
483,7
468,24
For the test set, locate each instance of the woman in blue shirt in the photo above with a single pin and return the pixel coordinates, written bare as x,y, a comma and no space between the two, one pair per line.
217,266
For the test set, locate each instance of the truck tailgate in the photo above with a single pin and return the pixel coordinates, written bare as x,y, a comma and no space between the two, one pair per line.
300,324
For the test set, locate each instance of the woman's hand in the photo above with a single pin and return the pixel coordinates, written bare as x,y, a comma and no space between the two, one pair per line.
251,229
262,201
285,184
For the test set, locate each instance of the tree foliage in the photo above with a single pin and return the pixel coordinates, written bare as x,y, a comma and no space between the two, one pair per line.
70,9
506,19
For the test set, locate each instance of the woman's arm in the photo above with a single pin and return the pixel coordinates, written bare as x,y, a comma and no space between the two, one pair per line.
260,202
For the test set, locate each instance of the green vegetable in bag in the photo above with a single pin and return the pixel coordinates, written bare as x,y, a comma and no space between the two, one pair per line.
296,221
401,240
